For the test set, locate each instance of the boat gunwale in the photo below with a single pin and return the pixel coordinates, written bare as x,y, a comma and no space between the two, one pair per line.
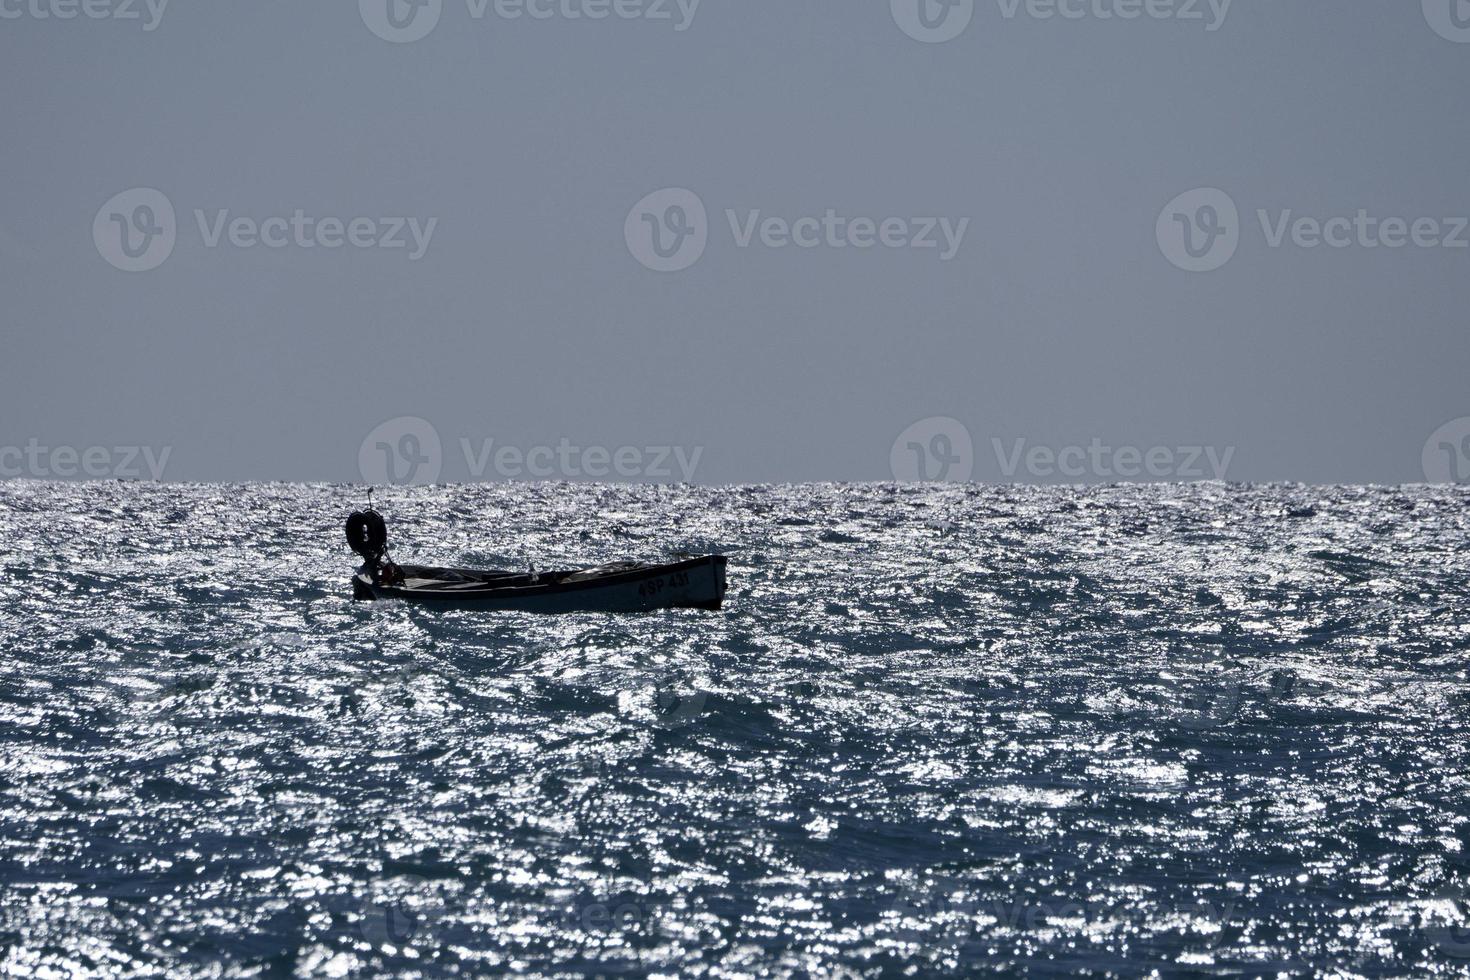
487,592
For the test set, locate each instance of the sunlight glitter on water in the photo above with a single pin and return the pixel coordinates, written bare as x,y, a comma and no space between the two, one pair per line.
1109,729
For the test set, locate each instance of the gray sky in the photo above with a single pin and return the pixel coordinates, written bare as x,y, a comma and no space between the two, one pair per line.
528,319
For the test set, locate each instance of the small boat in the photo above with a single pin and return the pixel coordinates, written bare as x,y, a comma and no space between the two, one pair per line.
698,583
623,587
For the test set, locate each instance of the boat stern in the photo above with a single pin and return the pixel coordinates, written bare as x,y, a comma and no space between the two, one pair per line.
719,561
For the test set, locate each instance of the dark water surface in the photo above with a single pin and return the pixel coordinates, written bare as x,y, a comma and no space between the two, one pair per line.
936,730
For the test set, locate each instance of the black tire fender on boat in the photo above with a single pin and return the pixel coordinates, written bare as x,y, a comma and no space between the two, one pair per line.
367,534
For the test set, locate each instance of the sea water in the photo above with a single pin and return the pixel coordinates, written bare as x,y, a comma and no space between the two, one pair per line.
935,730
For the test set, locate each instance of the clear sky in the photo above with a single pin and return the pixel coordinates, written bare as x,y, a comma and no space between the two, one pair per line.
518,159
